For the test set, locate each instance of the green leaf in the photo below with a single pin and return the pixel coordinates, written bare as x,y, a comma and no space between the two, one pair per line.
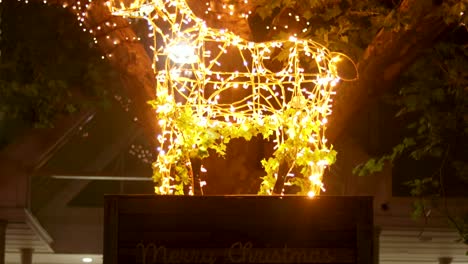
70,108
418,210
283,55
371,166
344,39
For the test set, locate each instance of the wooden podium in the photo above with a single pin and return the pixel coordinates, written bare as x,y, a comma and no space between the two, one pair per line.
149,229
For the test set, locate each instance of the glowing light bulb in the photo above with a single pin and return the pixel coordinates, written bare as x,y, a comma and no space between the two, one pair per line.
182,53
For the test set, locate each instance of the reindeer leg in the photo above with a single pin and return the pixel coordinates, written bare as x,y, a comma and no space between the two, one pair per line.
196,182
282,173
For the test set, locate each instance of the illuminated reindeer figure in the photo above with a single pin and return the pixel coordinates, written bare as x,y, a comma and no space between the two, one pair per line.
213,86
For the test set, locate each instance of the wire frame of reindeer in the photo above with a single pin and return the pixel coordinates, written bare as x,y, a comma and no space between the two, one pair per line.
213,86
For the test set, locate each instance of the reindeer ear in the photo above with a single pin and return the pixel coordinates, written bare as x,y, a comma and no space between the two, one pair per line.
346,69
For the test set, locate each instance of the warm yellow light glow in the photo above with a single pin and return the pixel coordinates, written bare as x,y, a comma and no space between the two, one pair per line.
213,85
182,53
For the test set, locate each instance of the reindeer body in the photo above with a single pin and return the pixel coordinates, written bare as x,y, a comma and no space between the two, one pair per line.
213,85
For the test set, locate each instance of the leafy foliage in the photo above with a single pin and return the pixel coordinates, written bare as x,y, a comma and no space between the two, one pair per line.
336,24
48,65
375,165
433,102
197,137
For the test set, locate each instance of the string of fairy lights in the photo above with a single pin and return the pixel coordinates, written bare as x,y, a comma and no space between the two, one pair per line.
227,81
104,30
